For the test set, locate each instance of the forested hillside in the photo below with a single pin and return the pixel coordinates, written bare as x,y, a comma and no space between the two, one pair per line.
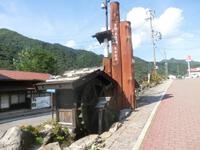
12,43
18,52
177,67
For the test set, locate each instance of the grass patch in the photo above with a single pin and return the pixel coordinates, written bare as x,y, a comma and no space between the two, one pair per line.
59,134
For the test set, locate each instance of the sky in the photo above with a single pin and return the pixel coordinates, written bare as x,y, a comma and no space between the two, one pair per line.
72,23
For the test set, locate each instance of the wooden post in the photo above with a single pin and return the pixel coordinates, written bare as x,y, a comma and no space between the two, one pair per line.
116,52
128,80
52,106
107,64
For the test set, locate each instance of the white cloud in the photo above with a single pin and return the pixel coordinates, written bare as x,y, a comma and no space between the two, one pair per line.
137,16
71,43
102,29
95,47
168,23
137,40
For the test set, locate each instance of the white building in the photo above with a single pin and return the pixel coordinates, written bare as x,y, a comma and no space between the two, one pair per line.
195,72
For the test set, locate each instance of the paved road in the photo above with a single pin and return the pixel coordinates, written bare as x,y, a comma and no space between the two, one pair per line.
176,125
126,137
28,120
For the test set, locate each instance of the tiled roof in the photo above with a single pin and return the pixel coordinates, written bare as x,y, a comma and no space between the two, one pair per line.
21,75
74,74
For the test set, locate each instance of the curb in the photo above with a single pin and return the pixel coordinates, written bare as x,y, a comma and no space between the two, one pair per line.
149,121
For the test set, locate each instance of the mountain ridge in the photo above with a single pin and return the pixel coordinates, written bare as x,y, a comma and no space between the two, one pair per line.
11,43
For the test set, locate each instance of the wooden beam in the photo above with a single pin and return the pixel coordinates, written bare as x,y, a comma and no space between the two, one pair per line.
128,81
116,52
107,63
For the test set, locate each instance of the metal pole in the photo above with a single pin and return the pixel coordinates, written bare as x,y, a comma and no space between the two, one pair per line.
106,7
106,60
189,68
151,16
106,52
153,42
100,120
52,106
178,70
166,64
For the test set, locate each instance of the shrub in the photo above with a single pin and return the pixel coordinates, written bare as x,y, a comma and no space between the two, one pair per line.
155,77
35,132
59,134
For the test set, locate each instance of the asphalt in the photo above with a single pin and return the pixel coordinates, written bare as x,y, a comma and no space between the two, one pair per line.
33,120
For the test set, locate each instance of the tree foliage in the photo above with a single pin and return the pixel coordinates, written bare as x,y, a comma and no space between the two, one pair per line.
36,61
13,45
66,58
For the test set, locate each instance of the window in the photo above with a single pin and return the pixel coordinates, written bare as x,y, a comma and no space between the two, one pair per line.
4,101
21,98
14,99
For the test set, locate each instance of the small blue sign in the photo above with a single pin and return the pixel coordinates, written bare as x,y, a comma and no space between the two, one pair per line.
51,90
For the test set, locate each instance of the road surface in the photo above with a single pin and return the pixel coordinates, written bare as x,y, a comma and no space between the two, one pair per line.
176,124
28,120
126,137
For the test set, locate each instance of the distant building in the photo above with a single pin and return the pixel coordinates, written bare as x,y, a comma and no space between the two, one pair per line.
17,90
172,77
195,72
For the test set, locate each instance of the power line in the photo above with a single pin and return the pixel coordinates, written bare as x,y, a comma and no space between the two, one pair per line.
180,48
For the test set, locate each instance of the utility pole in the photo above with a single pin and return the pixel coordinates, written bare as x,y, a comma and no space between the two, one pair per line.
188,60
189,70
105,6
154,34
106,60
178,72
151,14
166,65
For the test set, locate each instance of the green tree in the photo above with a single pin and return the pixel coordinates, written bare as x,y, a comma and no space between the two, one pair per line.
36,61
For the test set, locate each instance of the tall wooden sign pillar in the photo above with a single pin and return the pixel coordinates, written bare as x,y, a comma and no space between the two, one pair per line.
128,79
116,50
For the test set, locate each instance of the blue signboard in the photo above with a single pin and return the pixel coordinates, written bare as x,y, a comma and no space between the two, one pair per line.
51,90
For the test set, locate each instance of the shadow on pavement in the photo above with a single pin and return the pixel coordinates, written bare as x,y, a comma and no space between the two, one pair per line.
146,100
167,96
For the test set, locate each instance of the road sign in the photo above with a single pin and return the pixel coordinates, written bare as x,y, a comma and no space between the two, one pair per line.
51,90
188,58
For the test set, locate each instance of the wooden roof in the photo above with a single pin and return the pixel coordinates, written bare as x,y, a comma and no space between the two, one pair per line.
23,76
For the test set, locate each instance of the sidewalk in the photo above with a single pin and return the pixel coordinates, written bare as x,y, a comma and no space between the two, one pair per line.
176,125
126,137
